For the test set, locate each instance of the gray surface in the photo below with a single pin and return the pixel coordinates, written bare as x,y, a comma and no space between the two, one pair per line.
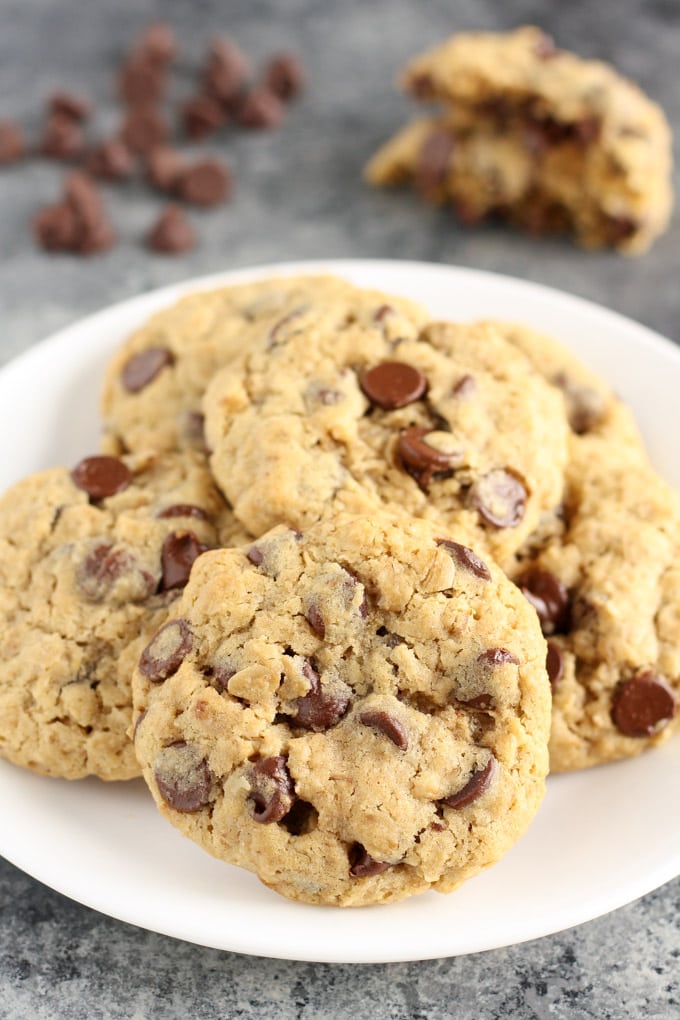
299,195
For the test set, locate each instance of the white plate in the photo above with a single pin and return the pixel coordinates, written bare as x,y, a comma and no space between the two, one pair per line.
601,838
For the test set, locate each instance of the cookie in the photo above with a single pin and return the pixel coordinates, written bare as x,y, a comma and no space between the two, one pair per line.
449,423
356,714
90,559
606,587
155,383
536,135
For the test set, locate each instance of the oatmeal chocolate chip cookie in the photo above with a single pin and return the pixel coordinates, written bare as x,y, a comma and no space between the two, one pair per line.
357,713
155,383
606,587
450,423
89,560
536,135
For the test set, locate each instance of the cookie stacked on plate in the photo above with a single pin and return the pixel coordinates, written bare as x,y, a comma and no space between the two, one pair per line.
306,588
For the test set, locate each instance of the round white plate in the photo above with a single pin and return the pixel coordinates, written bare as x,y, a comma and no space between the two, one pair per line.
601,838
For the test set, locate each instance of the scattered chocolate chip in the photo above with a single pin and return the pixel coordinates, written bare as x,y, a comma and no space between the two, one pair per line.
141,81
111,160
164,167
386,724
464,387
255,555
179,552
500,498
166,651
362,865
496,657
144,129
141,369
68,105
261,108
284,75
56,228
12,142
478,783
201,117
554,664
271,789
158,43
183,510
643,705
466,558
101,476
94,231
172,232
316,620
433,162
549,597
422,461
62,138
205,183
318,710
393,384
183,777
225,71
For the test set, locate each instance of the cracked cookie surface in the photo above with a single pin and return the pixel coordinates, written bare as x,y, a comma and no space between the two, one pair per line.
357,713
90,559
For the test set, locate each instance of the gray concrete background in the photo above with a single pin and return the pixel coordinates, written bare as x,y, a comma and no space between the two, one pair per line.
299,195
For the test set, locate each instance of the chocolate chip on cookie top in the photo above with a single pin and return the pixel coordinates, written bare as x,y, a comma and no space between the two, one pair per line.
331,710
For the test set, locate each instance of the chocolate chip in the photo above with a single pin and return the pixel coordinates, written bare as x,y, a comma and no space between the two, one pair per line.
279,332
104,566
383,313
141,81
164,168
62,138
585,406
643,705
183,510
166,651
318,710
225,71
433,162
205,183
144,129
179,552
201,117
261,108
172,232
386,724
94,230
464,387
478,783
101,476
362,865
159,43
500,498
483,702
221,674
466,558
141,369
56,228
65,104
284,75
554,663
12,142
549,597
255,555
496,657
422,461
316,620
271,789
111,160
393,384
183,777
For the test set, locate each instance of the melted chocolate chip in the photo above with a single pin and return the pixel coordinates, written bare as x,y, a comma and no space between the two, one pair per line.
478,783
180,550
549,597
318,710
166,651
362,865
496,657
554,664
386,724
183,510
500,498
316,620
393,384
271,789
279,332
141,369
221,674
585,406
104,565
422,461
101,476
464,387
183,777
433,162
255,555
643,705
466,558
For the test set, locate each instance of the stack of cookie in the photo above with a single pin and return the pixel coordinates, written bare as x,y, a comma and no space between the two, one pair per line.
534,135
306,587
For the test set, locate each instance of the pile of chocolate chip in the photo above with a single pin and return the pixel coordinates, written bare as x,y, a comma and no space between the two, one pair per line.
227,94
